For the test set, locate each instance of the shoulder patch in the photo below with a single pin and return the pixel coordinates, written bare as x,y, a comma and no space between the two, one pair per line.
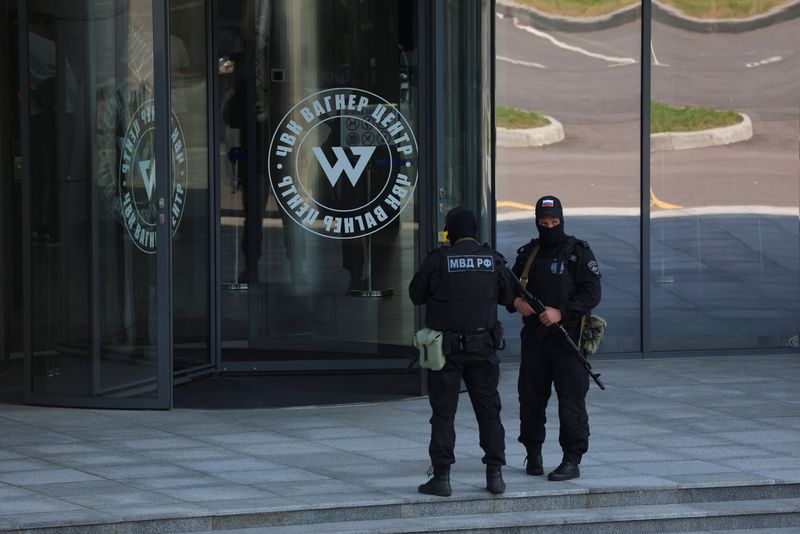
592,266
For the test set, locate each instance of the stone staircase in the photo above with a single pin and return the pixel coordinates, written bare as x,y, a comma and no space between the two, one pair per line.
772,508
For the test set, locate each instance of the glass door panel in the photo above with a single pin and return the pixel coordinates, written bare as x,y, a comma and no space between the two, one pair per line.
190,206
95,205
318,169
10,194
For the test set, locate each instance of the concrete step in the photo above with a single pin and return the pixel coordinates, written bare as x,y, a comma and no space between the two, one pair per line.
774,530
574,499
708,516
678,508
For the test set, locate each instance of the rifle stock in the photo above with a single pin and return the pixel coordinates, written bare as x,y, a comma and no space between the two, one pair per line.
538,306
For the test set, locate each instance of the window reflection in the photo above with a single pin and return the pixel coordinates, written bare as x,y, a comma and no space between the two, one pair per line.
11,379
289,290
190,244
588,81
463,156
91,174
724,227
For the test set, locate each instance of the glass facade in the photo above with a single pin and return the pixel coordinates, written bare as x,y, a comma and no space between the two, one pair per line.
589,83
189,137
90,145
725,267
711,262
319,161
192,187
465,145
213,186
11,372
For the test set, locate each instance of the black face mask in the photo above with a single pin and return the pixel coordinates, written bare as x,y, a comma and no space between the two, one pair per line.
551,237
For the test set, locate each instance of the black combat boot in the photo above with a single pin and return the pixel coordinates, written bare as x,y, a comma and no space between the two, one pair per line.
533,462
439,484
566,471
494,479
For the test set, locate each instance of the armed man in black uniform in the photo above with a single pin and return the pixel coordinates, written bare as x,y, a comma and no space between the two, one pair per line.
563,273
461,286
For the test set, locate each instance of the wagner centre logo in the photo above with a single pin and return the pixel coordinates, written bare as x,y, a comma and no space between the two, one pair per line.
137,177
343,163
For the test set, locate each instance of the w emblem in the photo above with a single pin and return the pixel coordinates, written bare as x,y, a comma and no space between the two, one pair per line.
343,164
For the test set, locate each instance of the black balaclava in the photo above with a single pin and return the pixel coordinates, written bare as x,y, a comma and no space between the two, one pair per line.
550,205
460,222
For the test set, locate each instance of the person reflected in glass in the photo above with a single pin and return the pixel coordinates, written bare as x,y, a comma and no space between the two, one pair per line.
251,177
51,125
562,272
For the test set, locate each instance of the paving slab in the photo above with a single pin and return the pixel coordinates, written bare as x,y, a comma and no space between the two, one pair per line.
661,425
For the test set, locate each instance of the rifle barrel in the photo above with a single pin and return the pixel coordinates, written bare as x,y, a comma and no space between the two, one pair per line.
538,306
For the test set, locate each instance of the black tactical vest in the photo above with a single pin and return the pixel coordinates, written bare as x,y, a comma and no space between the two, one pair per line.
552,274
552,279
465,297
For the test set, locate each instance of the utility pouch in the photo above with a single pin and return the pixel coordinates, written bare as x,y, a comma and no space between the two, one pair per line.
429,344
481,343
451,343
499,336
593,328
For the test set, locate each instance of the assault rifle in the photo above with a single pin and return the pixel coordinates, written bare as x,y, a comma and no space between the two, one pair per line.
538,307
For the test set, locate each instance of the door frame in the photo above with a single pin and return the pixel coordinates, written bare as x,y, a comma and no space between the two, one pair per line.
163,348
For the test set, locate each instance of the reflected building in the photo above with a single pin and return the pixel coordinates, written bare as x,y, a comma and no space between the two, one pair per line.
192,191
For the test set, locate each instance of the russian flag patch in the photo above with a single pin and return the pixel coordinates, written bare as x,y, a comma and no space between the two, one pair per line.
547,203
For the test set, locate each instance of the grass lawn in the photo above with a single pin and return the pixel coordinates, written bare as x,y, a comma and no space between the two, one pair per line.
578,8
724,9
516,118
705,9
667,118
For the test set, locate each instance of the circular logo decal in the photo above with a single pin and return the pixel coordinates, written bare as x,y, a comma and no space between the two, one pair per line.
343,163
137,177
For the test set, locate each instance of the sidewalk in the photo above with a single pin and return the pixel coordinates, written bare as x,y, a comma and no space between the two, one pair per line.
670,423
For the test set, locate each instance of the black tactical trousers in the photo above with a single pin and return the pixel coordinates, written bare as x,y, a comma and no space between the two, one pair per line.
545,363
481,377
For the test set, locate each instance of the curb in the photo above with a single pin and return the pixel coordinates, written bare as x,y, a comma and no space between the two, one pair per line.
703,138
554,132
660,12
671,16
530,137
546,21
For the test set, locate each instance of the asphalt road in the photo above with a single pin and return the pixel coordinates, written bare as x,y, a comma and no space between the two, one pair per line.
593,77
590,82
